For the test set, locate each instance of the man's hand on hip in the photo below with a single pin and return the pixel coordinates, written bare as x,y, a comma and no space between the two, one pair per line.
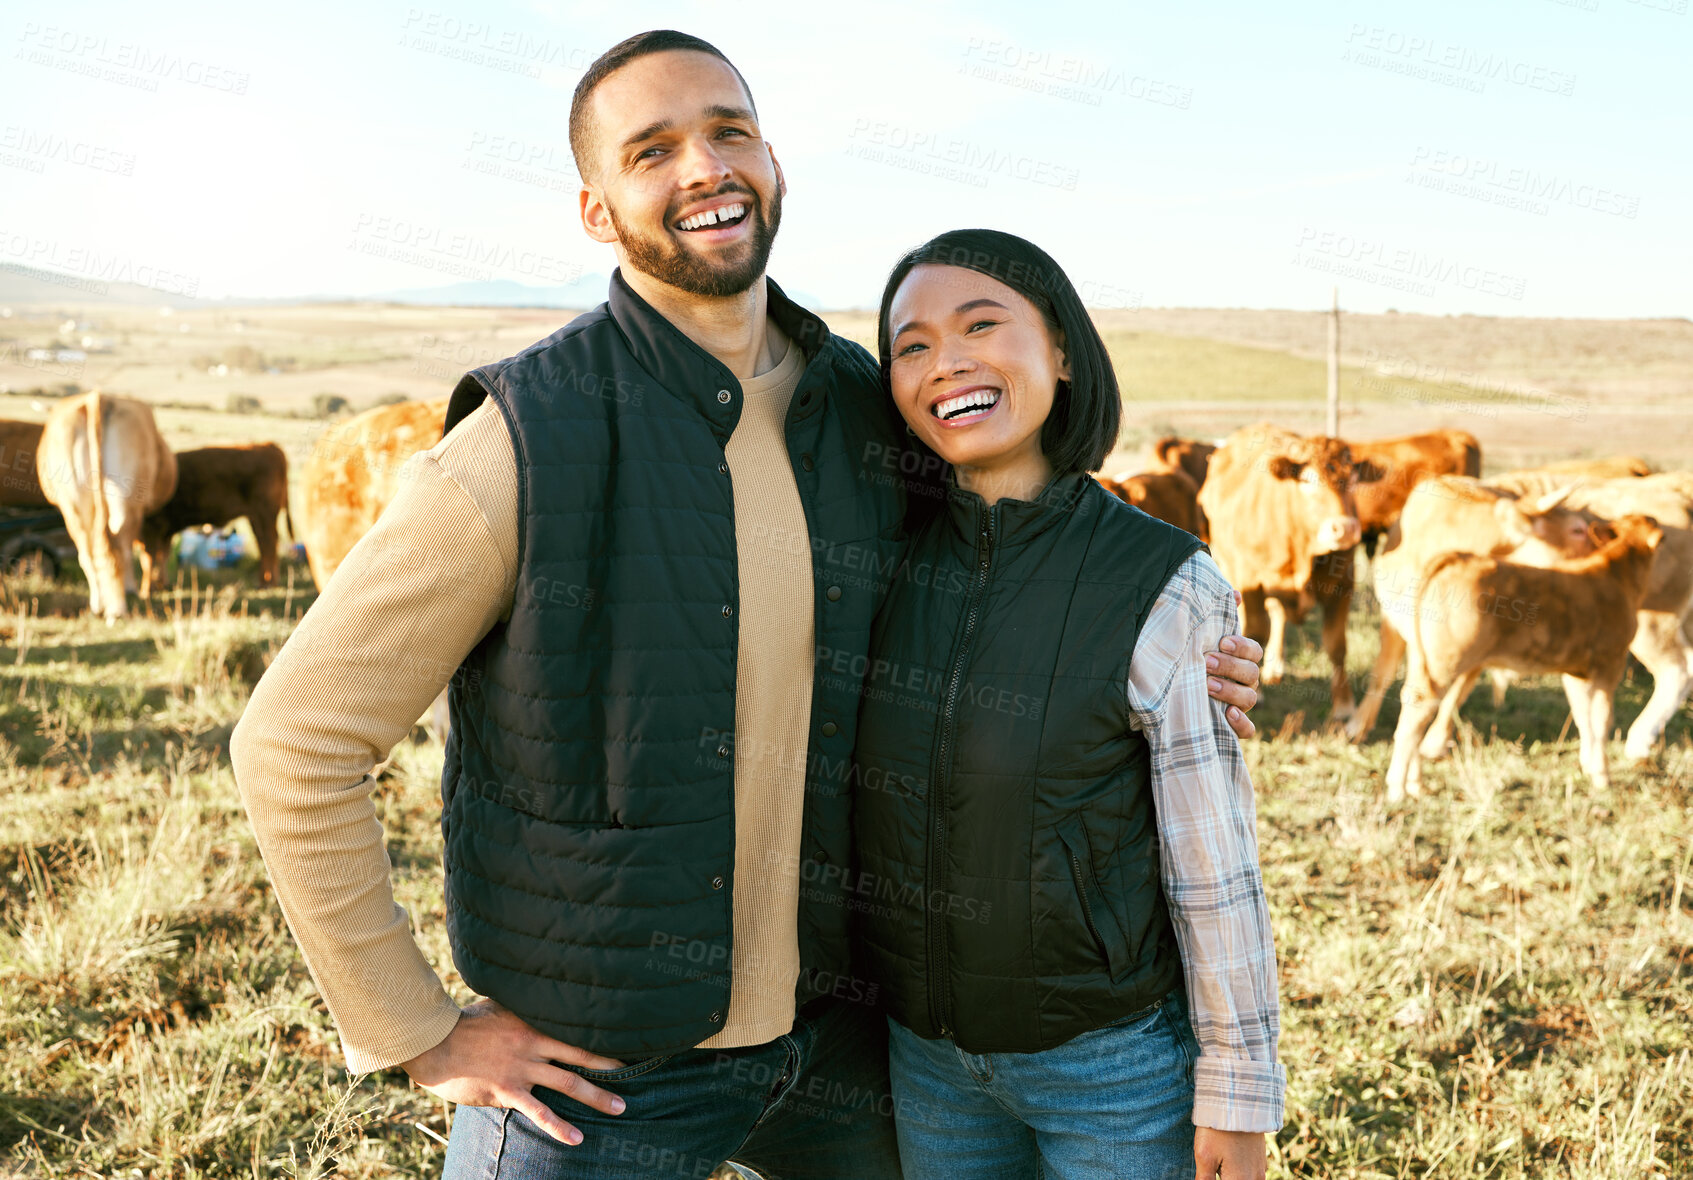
492,1058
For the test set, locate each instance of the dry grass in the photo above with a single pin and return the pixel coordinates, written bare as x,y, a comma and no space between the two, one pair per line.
1496,983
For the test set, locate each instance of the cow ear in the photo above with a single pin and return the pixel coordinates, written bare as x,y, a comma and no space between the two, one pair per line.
1163,447
1514,523
1368,471
1601,533
1281,467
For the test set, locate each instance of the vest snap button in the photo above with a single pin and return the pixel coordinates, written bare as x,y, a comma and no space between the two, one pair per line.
722,469
723,395
716,1016
830,729
727,610
820,855
722,751
833,594
806,462
717,882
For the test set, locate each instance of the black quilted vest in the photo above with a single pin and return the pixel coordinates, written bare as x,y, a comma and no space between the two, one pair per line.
588,795
1008,883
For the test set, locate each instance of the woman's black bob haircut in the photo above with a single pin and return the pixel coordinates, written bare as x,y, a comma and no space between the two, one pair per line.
1087,410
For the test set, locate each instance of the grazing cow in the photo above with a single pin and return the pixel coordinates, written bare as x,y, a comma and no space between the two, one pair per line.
104,464
1278,504
215,485
1575,618
1452,513
1662,640
1187,455
1537,481
1404,463
1168,495
353,473
20,486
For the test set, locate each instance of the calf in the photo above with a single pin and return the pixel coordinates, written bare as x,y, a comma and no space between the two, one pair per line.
1575,618
1168,495
215,485
1457,514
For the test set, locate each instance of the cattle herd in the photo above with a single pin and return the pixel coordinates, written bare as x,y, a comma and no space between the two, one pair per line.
1564,570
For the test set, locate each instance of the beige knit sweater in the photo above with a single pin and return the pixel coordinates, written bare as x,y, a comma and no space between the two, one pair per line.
409,602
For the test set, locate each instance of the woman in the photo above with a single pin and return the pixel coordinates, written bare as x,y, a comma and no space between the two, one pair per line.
1073,831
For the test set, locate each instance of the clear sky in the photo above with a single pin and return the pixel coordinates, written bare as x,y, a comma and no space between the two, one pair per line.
1497,157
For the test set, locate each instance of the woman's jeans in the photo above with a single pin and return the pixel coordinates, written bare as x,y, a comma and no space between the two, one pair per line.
1114,1104
811,1105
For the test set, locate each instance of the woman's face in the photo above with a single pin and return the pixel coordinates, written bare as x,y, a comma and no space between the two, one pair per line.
973,367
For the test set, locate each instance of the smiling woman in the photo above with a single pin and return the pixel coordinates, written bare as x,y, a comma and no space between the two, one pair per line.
1087,815
995,364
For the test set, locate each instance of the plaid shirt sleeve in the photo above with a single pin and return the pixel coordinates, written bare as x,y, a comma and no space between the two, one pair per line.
1207,830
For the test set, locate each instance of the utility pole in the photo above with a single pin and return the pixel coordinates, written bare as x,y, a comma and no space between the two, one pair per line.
1334,367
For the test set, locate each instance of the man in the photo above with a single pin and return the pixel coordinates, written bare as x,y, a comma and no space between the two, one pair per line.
644,558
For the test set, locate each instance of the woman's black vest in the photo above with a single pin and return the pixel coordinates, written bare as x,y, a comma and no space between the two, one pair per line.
588,795
1008,884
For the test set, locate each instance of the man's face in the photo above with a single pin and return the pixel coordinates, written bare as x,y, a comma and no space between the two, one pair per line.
684,183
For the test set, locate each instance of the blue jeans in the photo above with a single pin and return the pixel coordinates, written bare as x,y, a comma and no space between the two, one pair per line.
811,1105
1115,1103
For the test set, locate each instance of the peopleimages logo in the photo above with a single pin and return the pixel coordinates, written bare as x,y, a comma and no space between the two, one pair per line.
1514,186
431,247
1430,59
124,62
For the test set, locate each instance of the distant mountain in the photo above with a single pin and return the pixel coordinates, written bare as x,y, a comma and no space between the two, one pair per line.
34,285
587,291
30,284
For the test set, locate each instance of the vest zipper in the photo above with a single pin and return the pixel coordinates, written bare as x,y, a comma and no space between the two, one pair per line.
940,979
1087,907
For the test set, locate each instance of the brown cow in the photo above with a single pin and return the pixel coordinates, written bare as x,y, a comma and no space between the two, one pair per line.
20,486
1537,481
1453,513
215,485
1277,503
1188,455
1661,639
1405,462
104,464
1168,495
1575,618
353,473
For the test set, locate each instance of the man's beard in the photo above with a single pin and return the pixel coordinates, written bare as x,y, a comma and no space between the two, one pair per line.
669,261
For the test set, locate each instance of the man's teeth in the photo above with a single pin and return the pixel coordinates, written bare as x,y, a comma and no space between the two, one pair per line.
965,402
713,216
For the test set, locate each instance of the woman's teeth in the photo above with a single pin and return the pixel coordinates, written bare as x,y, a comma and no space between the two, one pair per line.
965,403
714,217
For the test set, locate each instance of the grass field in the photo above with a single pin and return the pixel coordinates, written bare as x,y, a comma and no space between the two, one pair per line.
1496,983
1530,390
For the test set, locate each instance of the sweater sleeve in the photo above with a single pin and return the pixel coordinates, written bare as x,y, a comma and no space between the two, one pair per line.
408,603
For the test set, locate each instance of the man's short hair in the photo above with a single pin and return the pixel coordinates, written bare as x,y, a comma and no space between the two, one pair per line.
582,130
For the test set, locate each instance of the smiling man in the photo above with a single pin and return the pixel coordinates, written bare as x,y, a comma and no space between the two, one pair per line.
644,559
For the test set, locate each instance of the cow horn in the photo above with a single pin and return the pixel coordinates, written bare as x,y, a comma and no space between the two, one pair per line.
1551,500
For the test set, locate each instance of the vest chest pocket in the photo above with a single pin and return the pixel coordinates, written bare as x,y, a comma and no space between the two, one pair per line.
1096,910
